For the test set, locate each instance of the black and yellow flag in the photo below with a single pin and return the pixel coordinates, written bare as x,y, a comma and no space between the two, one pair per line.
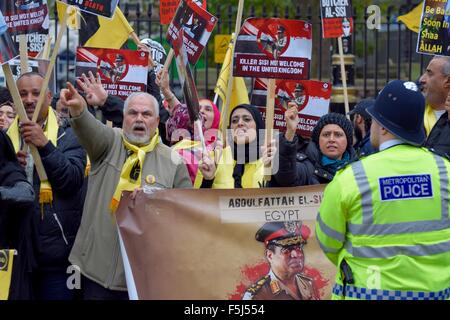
412,18
6,264
99,32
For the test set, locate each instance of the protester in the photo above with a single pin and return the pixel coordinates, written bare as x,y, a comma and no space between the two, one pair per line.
241,165
382,220
361,126
7,115
435,84
436,88
192,149
330,149
122,160
59,200
16,216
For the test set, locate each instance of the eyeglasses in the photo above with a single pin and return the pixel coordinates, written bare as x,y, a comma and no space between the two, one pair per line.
287,250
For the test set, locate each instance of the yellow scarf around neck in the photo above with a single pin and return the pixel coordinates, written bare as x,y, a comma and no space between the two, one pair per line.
51,133
126,183
429,119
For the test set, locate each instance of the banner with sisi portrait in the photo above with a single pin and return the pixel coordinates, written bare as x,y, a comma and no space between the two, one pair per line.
251,244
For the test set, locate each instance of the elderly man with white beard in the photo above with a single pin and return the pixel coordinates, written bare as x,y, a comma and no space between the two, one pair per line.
120,160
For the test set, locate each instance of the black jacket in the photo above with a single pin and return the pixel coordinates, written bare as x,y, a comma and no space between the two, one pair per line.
16,216
439,138
57,223
300,165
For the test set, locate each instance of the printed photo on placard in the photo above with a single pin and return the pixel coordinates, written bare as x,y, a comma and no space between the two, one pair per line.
197,25
337,18
121,71
26,16
273,48
8,49
311,97
251,244
167,9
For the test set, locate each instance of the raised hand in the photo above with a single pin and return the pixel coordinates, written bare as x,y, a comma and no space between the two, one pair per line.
292,120
73,100
96,95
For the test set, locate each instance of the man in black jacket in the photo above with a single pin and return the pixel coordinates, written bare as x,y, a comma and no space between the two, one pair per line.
59,200
439,137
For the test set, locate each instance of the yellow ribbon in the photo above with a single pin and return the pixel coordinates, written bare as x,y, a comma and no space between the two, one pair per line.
51,133
430,119
136,159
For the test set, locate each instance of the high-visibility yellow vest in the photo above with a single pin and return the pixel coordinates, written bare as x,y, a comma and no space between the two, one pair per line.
387,216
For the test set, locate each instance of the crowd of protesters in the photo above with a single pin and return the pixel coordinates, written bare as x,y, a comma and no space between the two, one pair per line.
66,219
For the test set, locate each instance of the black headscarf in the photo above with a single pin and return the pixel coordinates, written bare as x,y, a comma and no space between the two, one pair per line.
250,151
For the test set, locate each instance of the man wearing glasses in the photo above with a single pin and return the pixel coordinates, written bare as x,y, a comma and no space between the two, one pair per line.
284,243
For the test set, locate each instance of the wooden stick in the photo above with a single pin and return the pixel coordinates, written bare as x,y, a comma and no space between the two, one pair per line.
23,49
46,49
270,113
226,107
18,104
169,59
344,77
50,68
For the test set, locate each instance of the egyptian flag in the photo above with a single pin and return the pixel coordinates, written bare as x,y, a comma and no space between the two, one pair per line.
99,32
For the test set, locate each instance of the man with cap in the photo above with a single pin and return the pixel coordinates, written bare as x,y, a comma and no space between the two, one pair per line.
384,220
280,41
299,94
361,124
284,243
119,69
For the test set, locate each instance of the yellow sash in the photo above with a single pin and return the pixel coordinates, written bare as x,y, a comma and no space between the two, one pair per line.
136,158
429,119
51,133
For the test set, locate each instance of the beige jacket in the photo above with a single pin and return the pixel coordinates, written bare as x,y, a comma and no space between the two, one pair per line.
96,250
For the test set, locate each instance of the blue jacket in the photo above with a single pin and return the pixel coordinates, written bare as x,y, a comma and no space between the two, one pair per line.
56,224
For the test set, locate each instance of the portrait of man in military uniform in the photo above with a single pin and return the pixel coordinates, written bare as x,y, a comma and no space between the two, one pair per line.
280,41
299,94
283,243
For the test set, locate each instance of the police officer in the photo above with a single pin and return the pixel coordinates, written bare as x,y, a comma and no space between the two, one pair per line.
384,220
284,243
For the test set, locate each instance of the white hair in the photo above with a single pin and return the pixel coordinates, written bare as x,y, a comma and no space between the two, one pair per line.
138,94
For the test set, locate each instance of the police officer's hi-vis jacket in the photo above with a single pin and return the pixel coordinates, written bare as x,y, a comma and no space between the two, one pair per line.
384,222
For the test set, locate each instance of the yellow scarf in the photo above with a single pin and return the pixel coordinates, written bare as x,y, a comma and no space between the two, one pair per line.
51,133
126,183
429,119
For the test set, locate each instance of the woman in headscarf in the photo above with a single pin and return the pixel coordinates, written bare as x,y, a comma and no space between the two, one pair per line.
241,164
329,150
16,199
180,132
191,149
